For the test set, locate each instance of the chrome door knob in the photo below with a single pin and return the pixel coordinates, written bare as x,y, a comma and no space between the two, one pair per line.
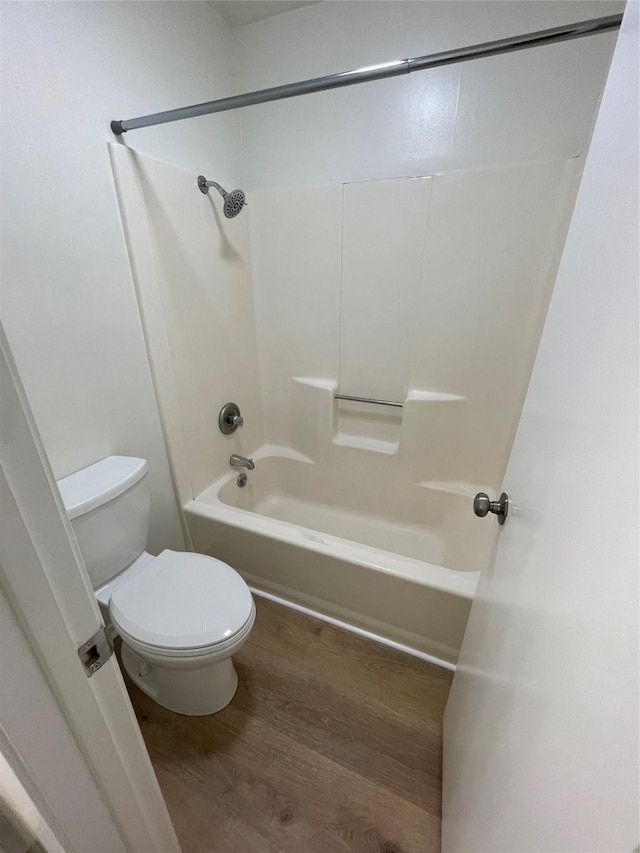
483,505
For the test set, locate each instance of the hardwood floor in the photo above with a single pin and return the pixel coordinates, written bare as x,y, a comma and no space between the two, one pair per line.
332,743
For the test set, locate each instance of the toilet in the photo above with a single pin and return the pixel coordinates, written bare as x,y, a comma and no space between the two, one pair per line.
181,616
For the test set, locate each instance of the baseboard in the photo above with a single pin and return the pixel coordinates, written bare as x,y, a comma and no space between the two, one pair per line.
361,632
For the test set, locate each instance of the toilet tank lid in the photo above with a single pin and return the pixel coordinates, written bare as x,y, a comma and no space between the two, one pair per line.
99,483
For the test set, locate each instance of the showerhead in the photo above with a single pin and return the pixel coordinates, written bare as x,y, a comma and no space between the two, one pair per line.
234,201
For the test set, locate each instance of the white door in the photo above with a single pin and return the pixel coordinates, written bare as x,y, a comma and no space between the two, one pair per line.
541,728
71,742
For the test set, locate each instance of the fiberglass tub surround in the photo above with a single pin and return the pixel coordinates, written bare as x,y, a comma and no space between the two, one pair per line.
427,292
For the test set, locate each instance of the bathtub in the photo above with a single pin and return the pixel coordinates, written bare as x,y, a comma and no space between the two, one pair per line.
401,561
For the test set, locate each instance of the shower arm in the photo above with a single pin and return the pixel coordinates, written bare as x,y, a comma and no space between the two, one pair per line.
376,72
204,184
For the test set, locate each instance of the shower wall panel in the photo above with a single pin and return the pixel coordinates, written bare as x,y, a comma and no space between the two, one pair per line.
383,233
431,292
296,238
193,278
493,246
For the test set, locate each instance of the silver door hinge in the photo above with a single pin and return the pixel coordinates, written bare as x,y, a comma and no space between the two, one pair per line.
95,651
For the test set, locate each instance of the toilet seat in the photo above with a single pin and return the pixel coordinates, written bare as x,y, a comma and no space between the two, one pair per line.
181,604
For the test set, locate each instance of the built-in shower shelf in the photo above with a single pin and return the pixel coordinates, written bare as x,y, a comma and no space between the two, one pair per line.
365,443
328,385
358,423
371,424
433,397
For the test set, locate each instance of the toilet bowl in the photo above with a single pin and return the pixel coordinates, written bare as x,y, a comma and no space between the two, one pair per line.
181,616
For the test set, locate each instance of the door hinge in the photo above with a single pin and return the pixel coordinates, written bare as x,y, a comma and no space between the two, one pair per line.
95,651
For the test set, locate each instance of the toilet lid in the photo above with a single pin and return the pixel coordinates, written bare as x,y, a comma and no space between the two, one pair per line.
182,601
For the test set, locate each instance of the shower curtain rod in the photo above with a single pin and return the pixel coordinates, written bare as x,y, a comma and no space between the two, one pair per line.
376,72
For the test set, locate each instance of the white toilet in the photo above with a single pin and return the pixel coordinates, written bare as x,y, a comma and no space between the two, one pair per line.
181,616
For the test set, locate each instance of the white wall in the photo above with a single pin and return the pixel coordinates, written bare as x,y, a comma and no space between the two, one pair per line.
526,106
68,301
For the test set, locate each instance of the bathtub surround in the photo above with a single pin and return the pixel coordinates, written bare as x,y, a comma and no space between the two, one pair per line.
430,292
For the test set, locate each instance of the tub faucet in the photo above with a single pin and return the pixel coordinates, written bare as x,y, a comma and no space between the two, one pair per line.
237,461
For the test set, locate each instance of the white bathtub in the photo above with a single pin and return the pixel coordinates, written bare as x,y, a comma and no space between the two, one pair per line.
401,561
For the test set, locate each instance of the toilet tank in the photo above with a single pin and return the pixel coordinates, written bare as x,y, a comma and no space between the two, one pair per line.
108,505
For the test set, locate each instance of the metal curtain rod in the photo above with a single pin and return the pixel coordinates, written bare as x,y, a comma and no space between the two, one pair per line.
376,72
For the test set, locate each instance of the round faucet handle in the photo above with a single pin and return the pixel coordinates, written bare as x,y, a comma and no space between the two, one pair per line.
229,418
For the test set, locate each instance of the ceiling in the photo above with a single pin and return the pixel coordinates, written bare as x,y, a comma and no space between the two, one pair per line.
239,12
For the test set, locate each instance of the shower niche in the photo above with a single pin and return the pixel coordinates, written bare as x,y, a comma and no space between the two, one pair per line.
371,426
320,419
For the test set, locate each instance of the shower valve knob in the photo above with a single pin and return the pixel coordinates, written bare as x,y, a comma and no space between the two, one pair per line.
230,419
483,505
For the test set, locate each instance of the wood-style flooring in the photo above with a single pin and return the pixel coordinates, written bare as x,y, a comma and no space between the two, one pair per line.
331,743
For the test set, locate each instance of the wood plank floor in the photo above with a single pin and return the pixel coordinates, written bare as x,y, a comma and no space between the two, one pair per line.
332,743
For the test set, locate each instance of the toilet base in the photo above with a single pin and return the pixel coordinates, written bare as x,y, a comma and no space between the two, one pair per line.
193,692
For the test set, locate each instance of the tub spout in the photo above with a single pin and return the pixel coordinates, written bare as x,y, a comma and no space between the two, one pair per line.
237,461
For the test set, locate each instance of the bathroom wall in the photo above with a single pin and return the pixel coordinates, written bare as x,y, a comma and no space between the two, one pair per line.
532,105
68,300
